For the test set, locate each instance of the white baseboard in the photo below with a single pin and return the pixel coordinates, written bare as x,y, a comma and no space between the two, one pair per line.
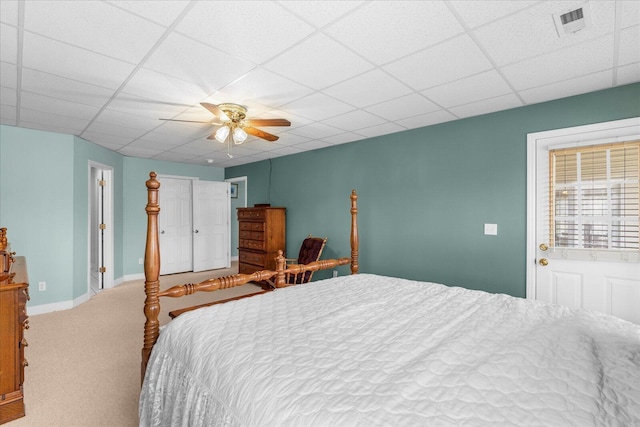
56,306
66,305
130,277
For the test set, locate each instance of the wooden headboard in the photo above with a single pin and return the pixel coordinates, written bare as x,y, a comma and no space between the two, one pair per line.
152,269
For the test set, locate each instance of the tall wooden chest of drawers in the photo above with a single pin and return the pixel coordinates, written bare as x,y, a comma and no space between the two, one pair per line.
262,232
14,292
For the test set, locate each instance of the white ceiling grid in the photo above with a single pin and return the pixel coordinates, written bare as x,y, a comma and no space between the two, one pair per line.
340,71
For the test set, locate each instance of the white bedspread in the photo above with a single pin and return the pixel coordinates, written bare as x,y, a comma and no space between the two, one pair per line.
368,350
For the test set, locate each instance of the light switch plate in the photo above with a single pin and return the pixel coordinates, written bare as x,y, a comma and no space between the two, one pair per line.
491,229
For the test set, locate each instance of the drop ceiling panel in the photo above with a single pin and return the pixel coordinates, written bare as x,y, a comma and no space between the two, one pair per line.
383,31
148,84
9,12
115,129
594,82
343,138
629,46
318,106
475,13
427,119
402,107
192,61
446,62
36,102
586,58
255,31
8,115
532,31
370,88
318,62
9,97
154,107
8,75
265,87
470,89
64,88
628,74
9,37
354,120
381,129
486,106
316,130
161,12
89,25
43,54
71,125
320,13
630,13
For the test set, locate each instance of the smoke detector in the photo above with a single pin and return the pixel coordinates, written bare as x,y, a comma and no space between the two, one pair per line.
572,21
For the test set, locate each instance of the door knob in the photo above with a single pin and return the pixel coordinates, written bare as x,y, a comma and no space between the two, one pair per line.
196,231
543,247
543,261
162,232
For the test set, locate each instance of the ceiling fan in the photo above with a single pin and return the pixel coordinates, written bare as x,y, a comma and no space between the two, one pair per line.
234,124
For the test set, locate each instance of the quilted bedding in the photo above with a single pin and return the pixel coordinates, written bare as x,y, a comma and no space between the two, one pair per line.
368,350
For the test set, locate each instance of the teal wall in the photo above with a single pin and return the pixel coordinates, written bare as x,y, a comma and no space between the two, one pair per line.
424,194
36,206
44,204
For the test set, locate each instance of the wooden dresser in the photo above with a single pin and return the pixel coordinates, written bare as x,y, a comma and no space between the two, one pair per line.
262,234
14,293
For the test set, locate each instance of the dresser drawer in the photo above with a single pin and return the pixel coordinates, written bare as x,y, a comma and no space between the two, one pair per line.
248,268
253,235
254,214
252,258
257,245
251,226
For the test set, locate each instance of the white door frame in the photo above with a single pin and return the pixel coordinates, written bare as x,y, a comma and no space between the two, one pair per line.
244,180
108,220
618,130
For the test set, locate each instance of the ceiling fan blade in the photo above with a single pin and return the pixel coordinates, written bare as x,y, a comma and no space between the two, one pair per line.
260,134
212,136
189,121
216,111
267,122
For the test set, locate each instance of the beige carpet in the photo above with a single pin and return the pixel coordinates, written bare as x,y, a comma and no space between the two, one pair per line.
84,363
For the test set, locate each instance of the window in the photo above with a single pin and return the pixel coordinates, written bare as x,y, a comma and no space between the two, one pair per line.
594,197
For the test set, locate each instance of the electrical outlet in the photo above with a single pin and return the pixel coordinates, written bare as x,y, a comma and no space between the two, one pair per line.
491,229
335,273
42,286
140,261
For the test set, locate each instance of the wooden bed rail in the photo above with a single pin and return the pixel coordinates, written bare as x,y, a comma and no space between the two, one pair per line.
152,269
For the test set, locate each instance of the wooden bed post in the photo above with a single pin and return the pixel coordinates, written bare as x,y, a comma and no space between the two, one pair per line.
151,272
355,240
280,266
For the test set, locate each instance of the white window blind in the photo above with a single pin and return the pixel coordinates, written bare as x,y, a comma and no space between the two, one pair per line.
594,197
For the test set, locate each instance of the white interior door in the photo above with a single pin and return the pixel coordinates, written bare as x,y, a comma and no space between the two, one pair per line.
211,240
175,225
585,276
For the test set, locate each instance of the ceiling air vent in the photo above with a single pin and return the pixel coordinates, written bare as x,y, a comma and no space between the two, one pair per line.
572,21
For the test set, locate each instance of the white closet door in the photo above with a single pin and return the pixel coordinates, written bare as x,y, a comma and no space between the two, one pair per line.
211,240
175,225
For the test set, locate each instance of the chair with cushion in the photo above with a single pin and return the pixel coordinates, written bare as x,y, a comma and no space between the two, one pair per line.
310,251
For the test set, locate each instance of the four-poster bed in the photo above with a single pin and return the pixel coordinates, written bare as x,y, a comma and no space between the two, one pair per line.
371,350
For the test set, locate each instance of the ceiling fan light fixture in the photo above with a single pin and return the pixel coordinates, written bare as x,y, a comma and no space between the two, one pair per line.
222,134
239,135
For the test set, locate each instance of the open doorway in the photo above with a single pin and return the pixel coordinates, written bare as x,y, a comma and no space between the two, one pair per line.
238,200
100,223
